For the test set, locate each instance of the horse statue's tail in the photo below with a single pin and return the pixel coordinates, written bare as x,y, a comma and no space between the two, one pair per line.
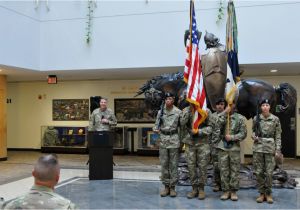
287,97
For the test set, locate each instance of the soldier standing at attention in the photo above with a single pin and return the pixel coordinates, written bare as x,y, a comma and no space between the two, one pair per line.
215,138
167,125
232,131
102,119
267,143
197,150
41,196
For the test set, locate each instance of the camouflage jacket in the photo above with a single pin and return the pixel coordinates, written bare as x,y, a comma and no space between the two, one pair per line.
97,116
169,127
205,129
216,136
39,197
237,130
270,134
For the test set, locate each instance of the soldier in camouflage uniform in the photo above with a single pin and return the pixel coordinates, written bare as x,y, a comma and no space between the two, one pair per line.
220,106
42,196
197,150
232,133
102,119
267,142
167,125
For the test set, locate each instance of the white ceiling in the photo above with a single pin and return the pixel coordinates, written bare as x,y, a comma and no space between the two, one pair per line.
250,70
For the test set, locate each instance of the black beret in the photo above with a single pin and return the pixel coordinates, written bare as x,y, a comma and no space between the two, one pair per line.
169,94
265,101
221,100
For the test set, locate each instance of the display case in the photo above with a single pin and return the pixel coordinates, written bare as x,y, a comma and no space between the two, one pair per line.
64,139
148,141
120,140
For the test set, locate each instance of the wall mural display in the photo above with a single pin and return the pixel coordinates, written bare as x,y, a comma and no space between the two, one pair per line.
132,111
70,109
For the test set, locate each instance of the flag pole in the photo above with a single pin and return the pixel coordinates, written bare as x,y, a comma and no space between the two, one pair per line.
191,16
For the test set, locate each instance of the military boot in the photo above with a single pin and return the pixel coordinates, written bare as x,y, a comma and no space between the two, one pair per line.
173,193
165,192
201,195
193,193
233,196
269,198
260,198
225,196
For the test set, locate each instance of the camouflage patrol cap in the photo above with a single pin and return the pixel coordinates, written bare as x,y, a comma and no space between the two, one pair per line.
169,94
265,101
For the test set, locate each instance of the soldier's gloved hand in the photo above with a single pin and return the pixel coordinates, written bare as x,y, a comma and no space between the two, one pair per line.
228,137
278,157
156,130
255,138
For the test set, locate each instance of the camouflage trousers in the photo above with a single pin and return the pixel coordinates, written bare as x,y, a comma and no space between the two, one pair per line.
197,157
264,164
214,157
169,163
229,164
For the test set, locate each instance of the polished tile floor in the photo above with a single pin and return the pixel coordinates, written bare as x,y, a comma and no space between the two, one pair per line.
135,185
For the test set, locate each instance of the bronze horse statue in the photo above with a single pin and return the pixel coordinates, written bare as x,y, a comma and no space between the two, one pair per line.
248,95
214,67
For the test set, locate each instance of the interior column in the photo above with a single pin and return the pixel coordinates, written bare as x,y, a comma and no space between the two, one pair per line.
3,130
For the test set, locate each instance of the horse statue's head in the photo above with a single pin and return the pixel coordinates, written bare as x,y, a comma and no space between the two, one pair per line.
155,89
286,97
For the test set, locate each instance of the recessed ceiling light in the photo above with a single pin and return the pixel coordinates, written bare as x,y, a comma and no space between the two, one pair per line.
273,70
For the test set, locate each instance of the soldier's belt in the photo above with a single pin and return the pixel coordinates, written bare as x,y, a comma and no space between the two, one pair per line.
169,132
265,136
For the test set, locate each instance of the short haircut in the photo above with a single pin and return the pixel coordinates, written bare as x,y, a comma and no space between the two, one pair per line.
46,168
104,99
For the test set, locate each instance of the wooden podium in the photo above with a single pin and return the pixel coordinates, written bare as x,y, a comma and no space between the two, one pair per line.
100,145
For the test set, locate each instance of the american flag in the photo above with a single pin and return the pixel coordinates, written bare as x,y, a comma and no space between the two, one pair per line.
193,74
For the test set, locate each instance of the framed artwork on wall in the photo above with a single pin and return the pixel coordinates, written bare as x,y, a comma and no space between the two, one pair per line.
70,109
132,111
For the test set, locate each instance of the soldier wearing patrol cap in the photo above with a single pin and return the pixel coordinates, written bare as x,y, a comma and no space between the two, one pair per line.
167,125
267,143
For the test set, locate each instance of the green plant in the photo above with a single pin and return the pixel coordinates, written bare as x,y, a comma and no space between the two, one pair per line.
220,15
91,6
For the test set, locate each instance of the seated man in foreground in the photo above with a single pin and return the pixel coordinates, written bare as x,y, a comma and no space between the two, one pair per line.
41,196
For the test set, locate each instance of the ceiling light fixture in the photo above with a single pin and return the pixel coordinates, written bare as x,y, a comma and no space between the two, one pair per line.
273,70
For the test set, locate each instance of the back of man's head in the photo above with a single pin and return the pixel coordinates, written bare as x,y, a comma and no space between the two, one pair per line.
47,169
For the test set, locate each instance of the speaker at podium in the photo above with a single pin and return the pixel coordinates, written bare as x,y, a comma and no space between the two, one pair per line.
100,145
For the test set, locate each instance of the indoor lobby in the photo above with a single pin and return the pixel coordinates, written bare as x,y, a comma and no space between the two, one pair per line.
58,56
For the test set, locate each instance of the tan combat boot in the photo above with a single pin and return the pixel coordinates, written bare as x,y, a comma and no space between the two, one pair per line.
269,199
201,195
225,196
165,192
173,193
233,196
260,198
193,193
